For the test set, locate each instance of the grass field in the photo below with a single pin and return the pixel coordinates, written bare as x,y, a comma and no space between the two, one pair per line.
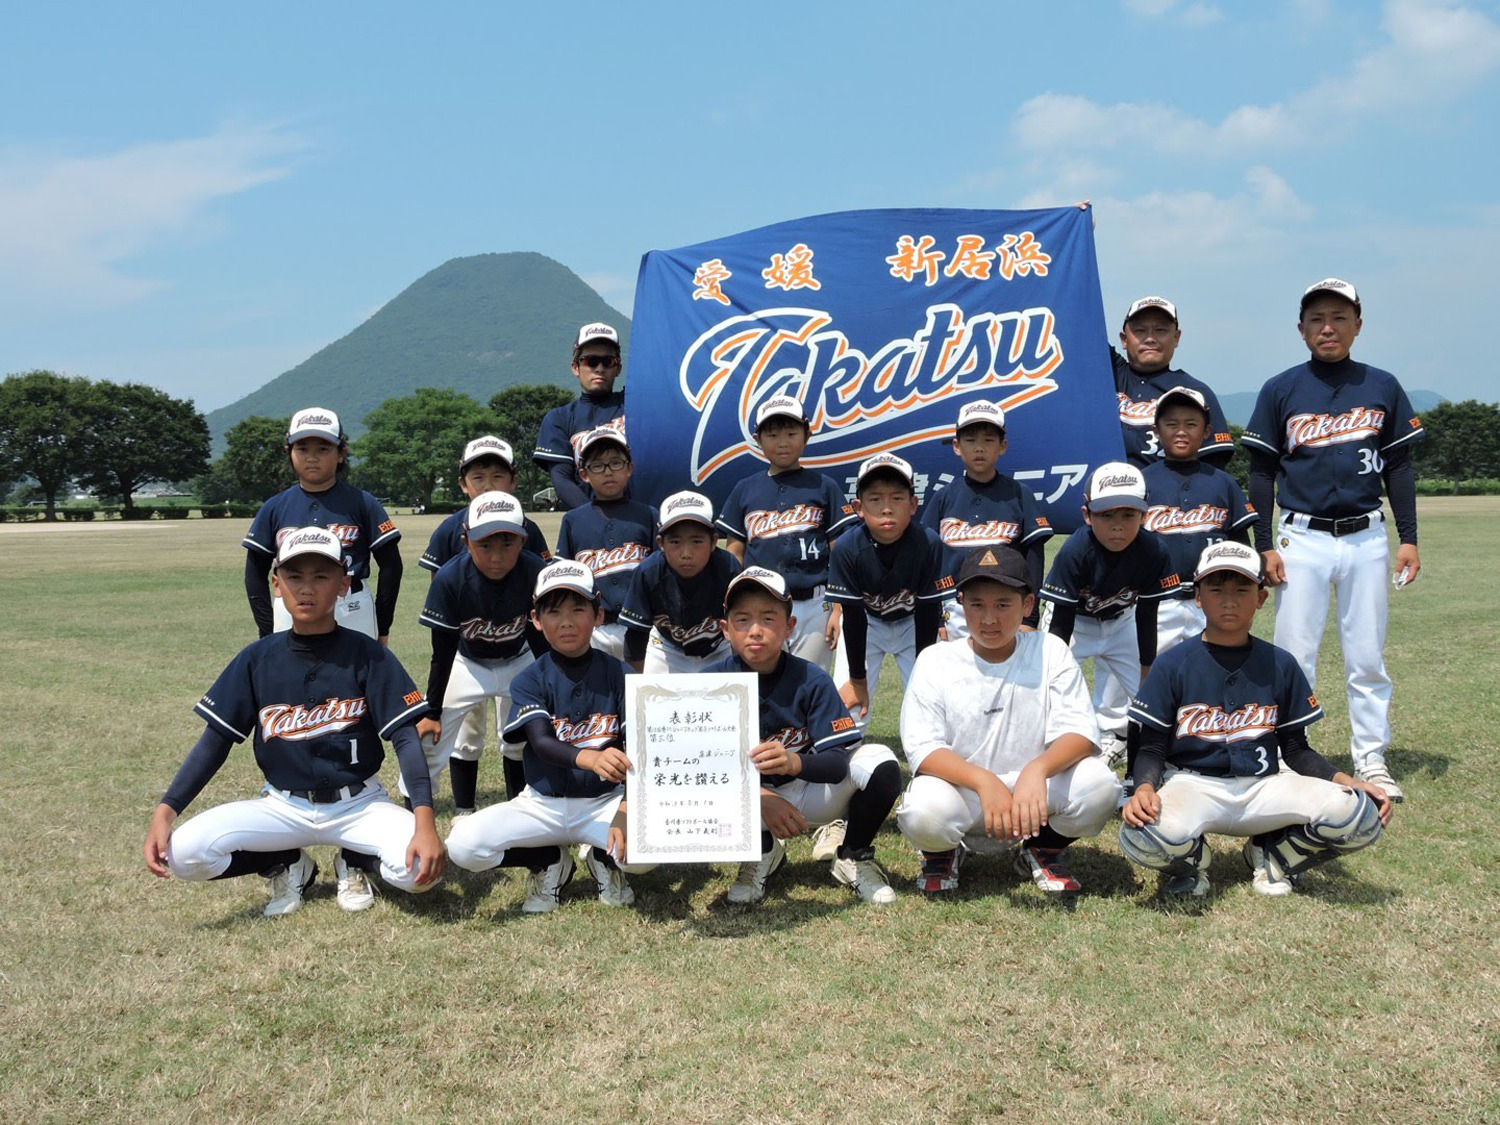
1373,995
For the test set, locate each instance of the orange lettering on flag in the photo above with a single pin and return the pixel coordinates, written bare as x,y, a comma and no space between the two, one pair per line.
792,270
708,278
971,258
1021,254
916,256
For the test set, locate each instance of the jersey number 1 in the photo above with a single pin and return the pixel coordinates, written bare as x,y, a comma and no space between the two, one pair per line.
354,751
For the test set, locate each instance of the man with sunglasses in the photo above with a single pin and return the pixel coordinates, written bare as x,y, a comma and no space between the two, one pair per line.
596,365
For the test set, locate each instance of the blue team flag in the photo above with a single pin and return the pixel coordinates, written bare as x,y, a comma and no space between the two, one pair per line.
882,323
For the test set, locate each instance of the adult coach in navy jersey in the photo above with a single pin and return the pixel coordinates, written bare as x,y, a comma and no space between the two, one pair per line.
596,365
1150,336
1324,438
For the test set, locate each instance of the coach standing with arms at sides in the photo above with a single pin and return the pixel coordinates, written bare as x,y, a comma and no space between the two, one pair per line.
1323,437
596,366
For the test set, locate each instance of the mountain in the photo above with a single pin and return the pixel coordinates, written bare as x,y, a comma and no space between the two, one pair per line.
1238,405
476,324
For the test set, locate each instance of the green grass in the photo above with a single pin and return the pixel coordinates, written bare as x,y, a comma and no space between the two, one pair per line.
1370,996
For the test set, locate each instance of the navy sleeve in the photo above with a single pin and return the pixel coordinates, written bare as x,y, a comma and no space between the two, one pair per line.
198,768
570,491
1300,757
1263,467
1036,560
565,537
1401,487
1150,760
635,610
928,619
1402,425
1145,630
444,650
229,706
545,744
262,534
412,761
1218,443
1062,582
1064,617
1264,430
393,698
437,550
387,585
258,592
856,634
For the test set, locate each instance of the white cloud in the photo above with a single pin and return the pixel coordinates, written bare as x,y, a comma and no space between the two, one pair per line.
73,221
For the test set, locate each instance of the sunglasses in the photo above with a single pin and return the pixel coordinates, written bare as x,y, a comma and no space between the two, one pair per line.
599,361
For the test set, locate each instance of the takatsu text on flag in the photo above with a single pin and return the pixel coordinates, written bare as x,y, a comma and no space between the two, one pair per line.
882,323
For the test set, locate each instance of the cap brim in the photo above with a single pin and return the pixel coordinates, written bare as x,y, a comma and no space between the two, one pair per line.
1231,568
492,527
1109,503
310,553
788,415
675,520
316,431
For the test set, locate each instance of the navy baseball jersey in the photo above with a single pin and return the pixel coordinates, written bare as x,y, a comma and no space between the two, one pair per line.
355,517
563,427
787,523
800,708
448,540
317,722
1223,722
1192,505
889,579
611,539
1331,425
1137,395
684,611
489,617
998,513
584,700
1104,584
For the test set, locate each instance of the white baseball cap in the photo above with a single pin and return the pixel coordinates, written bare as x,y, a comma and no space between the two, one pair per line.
1116,484
565,574
1182,394
487,446
1337,286
596,331
309,541
768,580
973,413
780,406
884,461
601,434
682,506
491,513
315,421
1229,555
1144,304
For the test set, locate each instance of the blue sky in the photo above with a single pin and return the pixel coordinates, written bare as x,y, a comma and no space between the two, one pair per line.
199,198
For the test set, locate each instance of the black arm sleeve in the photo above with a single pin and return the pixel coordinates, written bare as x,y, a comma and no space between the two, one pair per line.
826,767
202,762
1145,629
1036,559
1218,458
257,589
1063,616
856,634
1401,487
1240,535
535,641
444,650
413,762
547,746
635,644
929,619
1299,755
387,586
570,493
1263,495
1150,757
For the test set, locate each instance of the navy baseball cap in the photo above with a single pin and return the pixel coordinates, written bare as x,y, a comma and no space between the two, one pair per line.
1004,565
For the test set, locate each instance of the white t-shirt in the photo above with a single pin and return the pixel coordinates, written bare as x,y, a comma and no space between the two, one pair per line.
999,716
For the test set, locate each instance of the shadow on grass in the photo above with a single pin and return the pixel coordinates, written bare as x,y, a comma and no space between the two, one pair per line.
1331,883
1405,763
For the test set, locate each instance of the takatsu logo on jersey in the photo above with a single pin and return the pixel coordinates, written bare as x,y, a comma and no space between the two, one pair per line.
612,560
904,393
1186,521
797,740
1212,723
880,606
347,532
593,733
684,635
1333,429
991,533
1094,606
296,723
796,520
1142,415
485,631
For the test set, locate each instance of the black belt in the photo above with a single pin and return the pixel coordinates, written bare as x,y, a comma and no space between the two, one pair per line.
1338,525
805,593
327,796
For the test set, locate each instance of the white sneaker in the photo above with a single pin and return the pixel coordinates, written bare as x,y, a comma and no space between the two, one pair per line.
544,888
1266,878
1113,749
288,885
750,885
868,881
828,839
614,888
1377,774
356,892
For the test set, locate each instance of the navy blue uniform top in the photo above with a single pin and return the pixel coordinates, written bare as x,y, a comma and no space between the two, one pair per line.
1104,584
889,579
448,540
584,700
787,523
489,617
1331,424
563,427
317,722
684,611
998,513
1137,394
611,539
1222,722
1193,505
355,517
800,708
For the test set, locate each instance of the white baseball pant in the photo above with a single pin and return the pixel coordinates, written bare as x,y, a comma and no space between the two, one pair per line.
472,685
479,842
352,611
807,639
895,638
1117,665
1194,803
662,657
610,638
1177,620
824,802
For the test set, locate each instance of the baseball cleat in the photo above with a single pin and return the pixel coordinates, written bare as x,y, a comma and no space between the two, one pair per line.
356,891
939,871
1378,775
827,839
1192,884
1266,878
750,885
1112,748
614,889
1048,869
544,888
289,884
1127,791
866,878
